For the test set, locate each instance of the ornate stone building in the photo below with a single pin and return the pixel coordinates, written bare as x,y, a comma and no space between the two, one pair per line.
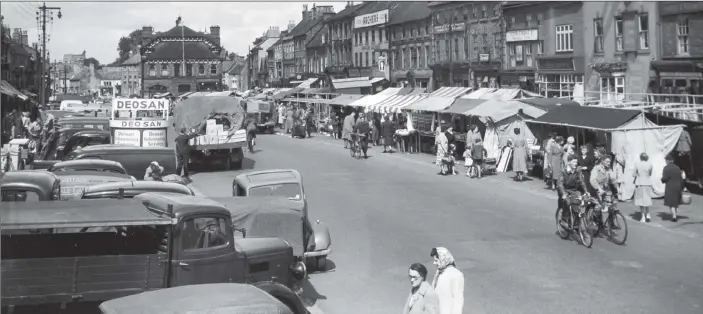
181,60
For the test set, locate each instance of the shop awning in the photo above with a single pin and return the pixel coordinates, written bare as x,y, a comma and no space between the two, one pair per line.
307,83
396,102
370,100
377,79
286,93
323,90
462,105
412,91
498,110
307,100
391,91
356,82
450,92
479,93
549,103
10,90
431,103
30,94
587,117
344,100
223,93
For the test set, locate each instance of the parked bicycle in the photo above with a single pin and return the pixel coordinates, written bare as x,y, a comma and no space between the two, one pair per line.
577,222
614,227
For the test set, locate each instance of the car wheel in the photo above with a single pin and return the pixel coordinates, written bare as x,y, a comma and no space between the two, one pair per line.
321,263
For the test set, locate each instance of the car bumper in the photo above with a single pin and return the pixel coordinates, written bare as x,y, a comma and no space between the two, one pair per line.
318,253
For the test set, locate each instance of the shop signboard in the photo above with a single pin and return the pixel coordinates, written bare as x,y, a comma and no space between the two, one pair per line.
371,19
482,57
522,35
139,122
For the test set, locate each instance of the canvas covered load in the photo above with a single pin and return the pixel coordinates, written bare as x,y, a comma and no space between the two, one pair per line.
194,112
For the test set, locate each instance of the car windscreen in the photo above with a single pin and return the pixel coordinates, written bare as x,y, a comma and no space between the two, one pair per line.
284,189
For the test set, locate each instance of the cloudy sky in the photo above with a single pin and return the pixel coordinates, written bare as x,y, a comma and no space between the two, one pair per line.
96,27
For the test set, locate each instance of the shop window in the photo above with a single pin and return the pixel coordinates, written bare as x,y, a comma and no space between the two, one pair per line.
213,69
511,55
565,38
456,48
618,34
612,88
152,70
598,35
558,85
528,55
164,70
643,28
682,37
540,48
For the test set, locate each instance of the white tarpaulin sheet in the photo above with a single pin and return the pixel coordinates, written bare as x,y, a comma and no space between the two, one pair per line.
641,135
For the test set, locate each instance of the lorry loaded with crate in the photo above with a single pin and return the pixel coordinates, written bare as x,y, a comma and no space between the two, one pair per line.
221,119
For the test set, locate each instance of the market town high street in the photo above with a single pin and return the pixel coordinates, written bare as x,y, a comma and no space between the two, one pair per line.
389,211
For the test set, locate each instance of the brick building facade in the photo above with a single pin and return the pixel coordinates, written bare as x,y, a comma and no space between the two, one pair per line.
181,60
411,43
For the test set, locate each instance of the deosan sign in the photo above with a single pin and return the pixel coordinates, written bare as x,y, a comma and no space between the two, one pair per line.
139,104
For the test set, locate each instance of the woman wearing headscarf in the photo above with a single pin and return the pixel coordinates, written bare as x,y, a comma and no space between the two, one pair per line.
423,299
672,177
519,155
448,282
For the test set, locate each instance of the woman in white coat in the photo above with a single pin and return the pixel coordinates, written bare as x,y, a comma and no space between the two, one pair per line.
448,282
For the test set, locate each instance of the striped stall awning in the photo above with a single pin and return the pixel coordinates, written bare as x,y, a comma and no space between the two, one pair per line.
396,102
450,92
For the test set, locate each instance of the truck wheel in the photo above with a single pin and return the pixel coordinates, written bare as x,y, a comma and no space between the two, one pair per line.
321,263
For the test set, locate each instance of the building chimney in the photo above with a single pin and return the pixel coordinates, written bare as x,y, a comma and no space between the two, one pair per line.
147,34
306,14
25,38
215,33
291,25
17,35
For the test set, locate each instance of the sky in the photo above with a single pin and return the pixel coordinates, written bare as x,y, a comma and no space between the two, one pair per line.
96,27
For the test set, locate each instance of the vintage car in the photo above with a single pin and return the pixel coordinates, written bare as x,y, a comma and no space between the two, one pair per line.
30,185
160,240
73,182
289,183
68,141
130,189
97,165
85,122
223,298
133,158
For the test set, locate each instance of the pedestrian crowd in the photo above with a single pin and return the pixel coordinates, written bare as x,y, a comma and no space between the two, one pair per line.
595,171
30,125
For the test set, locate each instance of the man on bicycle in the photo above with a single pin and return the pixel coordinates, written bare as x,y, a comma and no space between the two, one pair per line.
362,130
570,185
603,178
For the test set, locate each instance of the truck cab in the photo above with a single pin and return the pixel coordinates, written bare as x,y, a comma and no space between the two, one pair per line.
109,248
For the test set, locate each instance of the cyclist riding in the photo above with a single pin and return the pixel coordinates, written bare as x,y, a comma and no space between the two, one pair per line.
570,185
362,130
602,178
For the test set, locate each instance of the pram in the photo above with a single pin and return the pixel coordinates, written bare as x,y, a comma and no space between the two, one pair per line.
490,166
298,130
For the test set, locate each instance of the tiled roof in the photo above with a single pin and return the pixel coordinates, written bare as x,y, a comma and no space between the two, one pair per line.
303,27
109,76
178,31
348,11
375,7
135,59
173,50
316,41
410,11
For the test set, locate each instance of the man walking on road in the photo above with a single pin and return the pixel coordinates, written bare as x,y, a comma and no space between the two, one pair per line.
183,152
362,129
348,128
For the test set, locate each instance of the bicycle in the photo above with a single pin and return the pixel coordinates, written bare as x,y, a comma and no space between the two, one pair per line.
615,223
355,146
577,223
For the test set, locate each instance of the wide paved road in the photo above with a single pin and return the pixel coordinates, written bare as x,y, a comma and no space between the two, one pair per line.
387,212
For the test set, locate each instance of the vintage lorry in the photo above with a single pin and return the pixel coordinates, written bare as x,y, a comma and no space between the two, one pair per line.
218,122
128,246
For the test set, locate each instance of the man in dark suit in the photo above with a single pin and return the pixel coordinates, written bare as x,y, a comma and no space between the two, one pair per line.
183,152
387,131
362,129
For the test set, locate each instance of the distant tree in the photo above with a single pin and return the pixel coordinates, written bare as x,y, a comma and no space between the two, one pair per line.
129,43
91,60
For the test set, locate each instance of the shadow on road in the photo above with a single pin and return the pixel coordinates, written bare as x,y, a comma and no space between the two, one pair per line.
329,266
310,294
247,164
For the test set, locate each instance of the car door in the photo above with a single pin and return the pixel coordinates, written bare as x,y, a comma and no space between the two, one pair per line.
205,252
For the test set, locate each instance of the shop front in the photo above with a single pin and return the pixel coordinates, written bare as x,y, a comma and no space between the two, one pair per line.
557,76
522,79
484,73
679,76
455,74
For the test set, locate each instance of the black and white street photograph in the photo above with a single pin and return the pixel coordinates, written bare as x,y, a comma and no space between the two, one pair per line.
351,157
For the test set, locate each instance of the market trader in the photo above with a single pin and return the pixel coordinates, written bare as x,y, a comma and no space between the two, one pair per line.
183,152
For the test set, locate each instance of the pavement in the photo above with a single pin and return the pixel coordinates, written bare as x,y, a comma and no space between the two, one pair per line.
388,211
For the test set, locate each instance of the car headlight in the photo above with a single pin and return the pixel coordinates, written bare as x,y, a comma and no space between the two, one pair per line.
299,271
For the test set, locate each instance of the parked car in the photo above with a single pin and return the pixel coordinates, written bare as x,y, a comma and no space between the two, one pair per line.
30,185
134,159
84,122
164,240
73,182
97,165
69,140
130,189
230,298
288,183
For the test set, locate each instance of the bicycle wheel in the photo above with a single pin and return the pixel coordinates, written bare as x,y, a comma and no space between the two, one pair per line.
473,172
561,225
351,149
584,234
592,218
617,228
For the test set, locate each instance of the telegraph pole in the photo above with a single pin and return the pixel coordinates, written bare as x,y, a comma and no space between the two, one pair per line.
42,18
